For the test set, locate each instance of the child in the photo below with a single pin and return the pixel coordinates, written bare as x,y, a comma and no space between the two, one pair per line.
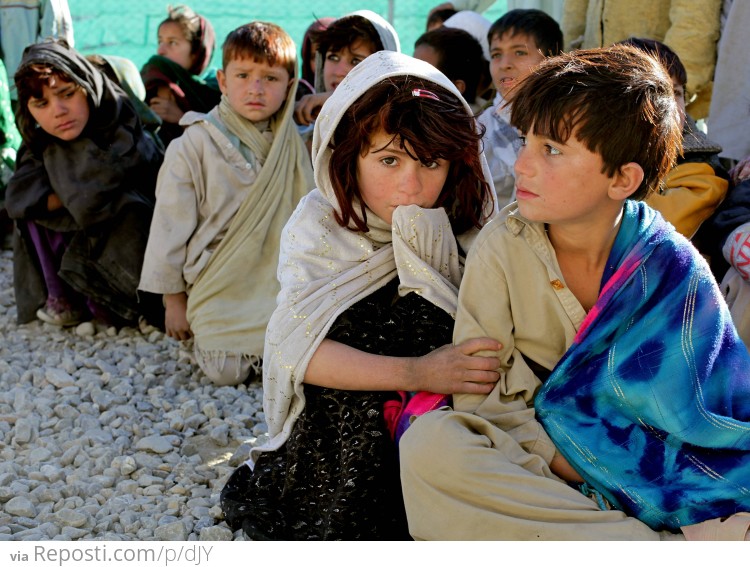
308,54
369,267
227,188
458,56
178,78
341,46
698,183
623,407
82,195
519,40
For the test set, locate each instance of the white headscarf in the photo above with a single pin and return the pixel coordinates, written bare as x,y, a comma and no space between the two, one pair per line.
325,268
386,33
476,24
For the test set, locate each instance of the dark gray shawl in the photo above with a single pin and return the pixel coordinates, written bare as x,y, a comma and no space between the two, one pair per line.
105,179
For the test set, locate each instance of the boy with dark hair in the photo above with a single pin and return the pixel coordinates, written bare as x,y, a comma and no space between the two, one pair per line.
623,405
458,55
228,186
698,183
519,40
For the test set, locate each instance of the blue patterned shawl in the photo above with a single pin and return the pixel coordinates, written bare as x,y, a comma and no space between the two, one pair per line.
651,403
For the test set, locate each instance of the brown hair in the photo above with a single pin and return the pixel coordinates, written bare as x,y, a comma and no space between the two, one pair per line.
261,41
434,129
30,82
617,100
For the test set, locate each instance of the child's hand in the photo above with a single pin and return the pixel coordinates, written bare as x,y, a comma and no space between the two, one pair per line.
307,108
741,171
53,202
166,109
175,316
453,369
561,467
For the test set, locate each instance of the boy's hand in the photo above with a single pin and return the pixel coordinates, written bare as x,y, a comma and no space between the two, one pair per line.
175,316
561,467
453,369
307,108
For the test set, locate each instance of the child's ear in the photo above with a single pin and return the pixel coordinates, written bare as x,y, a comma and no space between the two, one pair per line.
460,85
221,78
626,181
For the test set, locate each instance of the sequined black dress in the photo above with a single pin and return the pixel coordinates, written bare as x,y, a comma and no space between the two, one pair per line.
337,476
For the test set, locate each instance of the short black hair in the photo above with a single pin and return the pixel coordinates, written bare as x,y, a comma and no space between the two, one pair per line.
535,23
663,53
460,54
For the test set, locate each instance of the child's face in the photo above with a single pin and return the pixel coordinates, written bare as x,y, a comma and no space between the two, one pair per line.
255,89
679,95
561,183
389,177
511,59
174,46
63,109
339,63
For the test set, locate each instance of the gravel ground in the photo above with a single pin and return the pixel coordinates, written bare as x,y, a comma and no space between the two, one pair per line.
113,435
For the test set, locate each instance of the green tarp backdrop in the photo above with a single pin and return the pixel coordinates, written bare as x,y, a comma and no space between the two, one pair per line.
128,28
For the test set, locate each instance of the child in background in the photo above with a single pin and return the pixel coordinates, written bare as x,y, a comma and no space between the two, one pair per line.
343,45
623,408
519,40
227,187
370,266
308,53
697,184
456,54
178,78
82,195
436,18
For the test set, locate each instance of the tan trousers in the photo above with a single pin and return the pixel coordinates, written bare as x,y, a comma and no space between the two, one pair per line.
224,370
465,479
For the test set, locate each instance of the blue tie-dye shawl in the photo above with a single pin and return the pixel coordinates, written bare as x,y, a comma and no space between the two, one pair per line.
651,403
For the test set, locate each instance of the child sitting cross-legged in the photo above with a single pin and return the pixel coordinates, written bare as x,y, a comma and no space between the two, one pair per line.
228,186
623,406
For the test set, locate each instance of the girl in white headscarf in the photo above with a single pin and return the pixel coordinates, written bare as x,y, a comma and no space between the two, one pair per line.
370,266
344,44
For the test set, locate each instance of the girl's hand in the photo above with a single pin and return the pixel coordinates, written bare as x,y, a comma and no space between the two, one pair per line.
456,369
53,202
741,171
307,108
175,316
166,109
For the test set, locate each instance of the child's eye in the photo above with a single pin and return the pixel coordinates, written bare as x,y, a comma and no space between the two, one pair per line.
495,55
389,161
431,164
356,61
332,57
38,103
523,139
271,78
551,150
521,53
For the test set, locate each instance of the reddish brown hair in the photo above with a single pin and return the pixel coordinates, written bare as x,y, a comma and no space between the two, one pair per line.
434,129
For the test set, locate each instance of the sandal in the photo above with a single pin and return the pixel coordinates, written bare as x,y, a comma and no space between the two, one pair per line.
57,311
733,528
